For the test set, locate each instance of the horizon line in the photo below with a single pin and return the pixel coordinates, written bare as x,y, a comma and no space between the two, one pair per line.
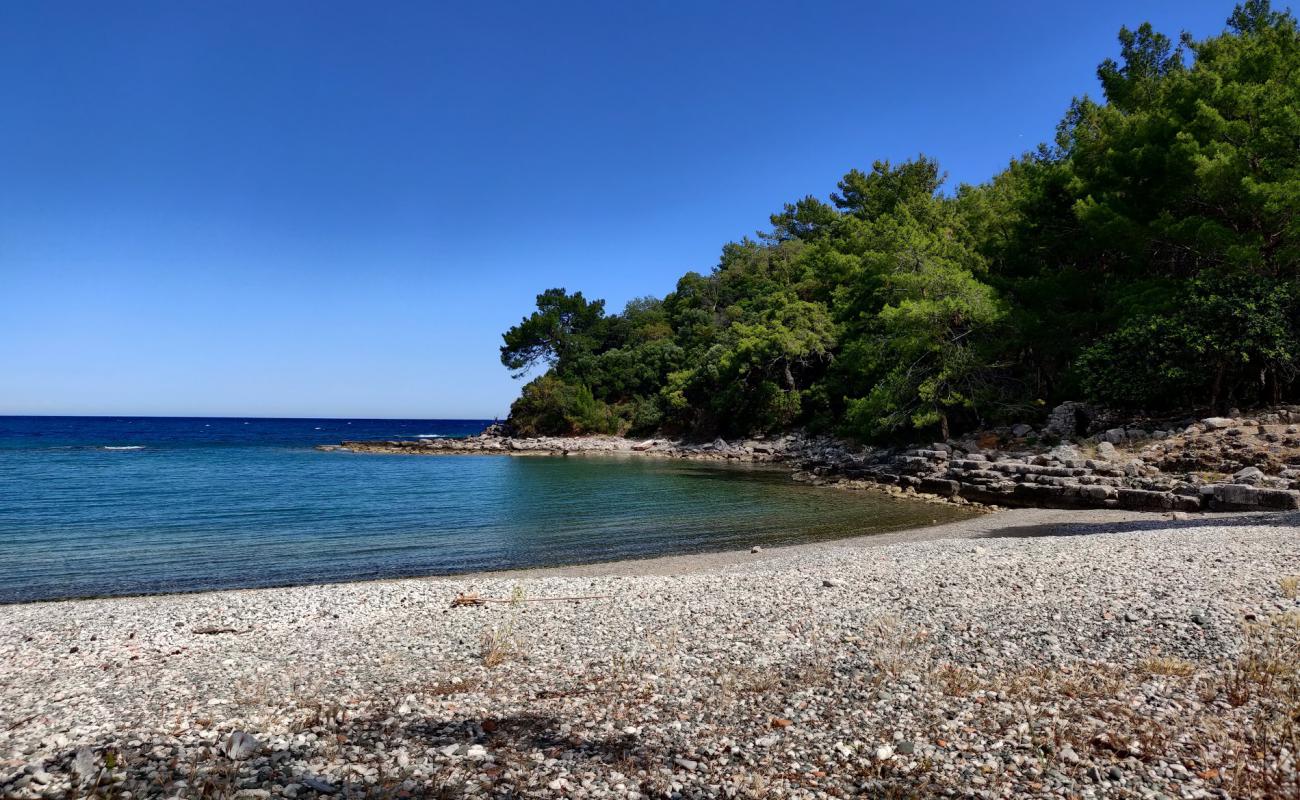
244,417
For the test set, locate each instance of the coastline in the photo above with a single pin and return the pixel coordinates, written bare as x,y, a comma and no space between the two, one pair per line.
1035,522
668,564
1213,464
899,661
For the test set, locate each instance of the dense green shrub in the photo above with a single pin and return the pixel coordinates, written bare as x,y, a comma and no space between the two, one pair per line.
549,405
1224,336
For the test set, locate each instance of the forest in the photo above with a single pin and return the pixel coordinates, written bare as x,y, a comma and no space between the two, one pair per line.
1147,259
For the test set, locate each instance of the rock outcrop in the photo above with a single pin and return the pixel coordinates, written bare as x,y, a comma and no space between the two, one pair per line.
788,447
1214,464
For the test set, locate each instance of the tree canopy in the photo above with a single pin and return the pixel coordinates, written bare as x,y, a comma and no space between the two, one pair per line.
1147,258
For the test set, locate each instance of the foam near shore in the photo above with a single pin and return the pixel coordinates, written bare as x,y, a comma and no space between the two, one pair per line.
1122,654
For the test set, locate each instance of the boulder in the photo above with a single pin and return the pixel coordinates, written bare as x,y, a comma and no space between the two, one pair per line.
1098,492
1069,419
939,486
1065,452
1143,500
1249,475
1240,497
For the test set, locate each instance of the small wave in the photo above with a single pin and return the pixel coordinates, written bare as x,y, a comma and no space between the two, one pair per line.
431,436
125,447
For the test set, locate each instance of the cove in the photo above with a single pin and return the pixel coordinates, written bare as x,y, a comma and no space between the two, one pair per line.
83,515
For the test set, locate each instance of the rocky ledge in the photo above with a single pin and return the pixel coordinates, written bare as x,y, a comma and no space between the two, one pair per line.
1214,464
795,446
1078,459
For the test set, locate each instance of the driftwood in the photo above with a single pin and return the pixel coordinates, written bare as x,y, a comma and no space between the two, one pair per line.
214,631
473,599
22,721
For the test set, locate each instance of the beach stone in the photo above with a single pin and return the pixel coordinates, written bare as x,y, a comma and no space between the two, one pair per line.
319,784
240,745
84,764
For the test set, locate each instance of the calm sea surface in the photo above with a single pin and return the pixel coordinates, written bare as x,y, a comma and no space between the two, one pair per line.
121,505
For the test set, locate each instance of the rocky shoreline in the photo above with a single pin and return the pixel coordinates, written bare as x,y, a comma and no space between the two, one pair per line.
1113,655
1076,460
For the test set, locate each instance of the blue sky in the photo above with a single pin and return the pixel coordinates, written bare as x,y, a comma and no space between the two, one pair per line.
335,209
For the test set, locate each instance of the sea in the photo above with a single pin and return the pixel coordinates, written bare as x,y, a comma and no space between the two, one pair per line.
102,506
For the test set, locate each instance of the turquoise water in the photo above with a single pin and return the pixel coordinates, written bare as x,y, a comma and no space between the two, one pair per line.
216,503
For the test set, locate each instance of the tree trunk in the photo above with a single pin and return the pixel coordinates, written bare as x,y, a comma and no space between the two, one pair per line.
1273,386
1217,392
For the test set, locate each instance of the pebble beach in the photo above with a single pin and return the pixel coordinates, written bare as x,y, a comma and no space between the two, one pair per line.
1029,653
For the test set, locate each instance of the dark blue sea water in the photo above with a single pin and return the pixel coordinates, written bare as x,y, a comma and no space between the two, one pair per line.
117,505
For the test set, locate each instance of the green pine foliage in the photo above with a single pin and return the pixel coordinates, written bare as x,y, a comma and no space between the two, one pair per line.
1148,259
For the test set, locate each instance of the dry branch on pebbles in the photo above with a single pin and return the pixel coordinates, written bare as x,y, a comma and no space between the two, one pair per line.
1147,660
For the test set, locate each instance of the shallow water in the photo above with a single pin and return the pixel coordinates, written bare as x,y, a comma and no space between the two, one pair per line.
104,506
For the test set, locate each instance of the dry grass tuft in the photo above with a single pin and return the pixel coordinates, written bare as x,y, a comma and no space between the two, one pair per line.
894,648
1267,677
1168,665
500,642
956,681
1290,586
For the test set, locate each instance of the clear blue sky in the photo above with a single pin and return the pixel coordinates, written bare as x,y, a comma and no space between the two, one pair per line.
334,209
